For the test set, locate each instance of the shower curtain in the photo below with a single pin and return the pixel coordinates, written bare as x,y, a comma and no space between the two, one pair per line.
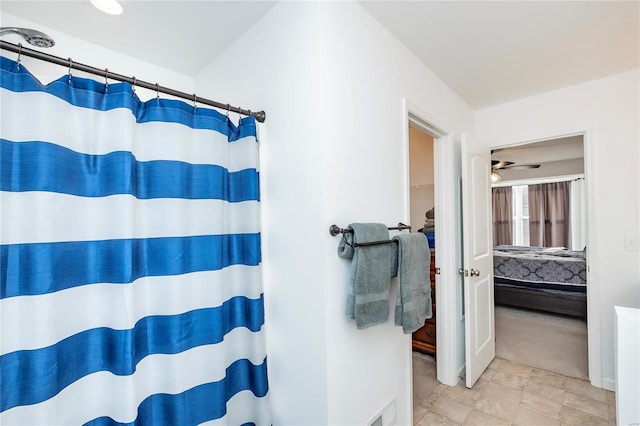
131,288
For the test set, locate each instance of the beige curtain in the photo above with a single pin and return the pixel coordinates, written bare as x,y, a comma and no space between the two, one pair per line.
549,214
502,215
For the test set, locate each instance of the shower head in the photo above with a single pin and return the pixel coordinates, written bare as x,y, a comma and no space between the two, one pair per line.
33,37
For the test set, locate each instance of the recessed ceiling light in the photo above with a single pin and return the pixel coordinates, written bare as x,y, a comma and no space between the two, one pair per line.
112,7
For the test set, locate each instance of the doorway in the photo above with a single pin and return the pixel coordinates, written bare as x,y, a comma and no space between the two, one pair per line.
422,219
528,321
445,161
422,216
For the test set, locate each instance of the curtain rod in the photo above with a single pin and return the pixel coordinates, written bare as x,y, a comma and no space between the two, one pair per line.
260,116
537,180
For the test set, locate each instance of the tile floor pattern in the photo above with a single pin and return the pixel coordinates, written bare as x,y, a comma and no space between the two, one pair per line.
508,394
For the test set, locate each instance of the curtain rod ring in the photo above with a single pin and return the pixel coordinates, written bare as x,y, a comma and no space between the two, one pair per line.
19,54
70,66
106,79
133,86
157,92
228,110
194,102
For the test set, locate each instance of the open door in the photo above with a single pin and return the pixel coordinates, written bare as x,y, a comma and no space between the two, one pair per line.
477,269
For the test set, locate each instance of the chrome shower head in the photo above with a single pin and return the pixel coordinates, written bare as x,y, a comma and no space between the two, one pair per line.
33,37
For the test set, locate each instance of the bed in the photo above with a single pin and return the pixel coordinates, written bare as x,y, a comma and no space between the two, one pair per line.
541,278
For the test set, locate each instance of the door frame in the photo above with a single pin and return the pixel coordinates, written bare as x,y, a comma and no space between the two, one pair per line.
446,288
445,296
594,346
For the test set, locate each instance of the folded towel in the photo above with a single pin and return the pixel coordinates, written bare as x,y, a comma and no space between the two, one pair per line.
431,214
368,294
413,303
431,239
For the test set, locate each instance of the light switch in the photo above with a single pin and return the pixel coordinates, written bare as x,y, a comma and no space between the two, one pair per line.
632,243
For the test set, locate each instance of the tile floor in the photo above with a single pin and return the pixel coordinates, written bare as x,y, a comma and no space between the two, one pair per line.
508,394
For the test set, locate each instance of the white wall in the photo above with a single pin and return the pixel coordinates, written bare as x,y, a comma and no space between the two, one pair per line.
90,54
275,67
608,109
368,73
331,80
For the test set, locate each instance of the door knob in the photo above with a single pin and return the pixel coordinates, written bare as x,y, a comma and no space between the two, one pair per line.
475,272
464,272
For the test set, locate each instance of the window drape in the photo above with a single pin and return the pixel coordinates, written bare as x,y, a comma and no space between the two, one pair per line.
550,214
131,286
578,215
502,199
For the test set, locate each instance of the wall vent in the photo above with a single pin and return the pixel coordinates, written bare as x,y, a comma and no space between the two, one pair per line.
386,417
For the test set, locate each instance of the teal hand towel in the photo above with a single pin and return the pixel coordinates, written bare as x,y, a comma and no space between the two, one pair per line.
413,302
368,292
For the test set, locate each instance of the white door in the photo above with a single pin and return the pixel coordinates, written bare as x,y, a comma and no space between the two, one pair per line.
480,347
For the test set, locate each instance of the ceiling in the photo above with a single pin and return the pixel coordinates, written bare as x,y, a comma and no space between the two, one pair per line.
491,52
487,52
568,148
183,36
554,156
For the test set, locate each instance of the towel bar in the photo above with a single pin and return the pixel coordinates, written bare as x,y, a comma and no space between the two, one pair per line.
335,230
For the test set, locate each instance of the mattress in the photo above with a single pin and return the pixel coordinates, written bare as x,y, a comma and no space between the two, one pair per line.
540,268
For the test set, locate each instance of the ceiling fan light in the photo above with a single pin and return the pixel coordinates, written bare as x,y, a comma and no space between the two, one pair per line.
495,177
112,7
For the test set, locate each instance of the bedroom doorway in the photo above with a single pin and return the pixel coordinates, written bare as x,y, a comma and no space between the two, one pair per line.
541,321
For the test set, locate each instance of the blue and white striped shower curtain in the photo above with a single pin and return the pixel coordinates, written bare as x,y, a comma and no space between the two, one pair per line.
131,288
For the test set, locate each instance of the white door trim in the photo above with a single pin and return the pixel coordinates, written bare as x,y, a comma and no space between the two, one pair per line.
447,281
446,341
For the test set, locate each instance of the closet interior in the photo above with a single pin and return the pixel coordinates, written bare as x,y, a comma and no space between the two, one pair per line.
422,214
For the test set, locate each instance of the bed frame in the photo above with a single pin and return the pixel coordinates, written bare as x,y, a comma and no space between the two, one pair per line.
559,302
544,279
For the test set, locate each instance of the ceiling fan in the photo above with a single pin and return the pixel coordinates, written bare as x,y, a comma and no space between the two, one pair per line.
505,165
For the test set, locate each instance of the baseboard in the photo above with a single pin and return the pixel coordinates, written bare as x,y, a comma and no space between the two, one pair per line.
609,384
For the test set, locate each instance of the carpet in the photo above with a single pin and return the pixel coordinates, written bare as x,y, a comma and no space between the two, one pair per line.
551,342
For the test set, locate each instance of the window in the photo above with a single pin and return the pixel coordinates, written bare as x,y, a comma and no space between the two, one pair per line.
520,215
